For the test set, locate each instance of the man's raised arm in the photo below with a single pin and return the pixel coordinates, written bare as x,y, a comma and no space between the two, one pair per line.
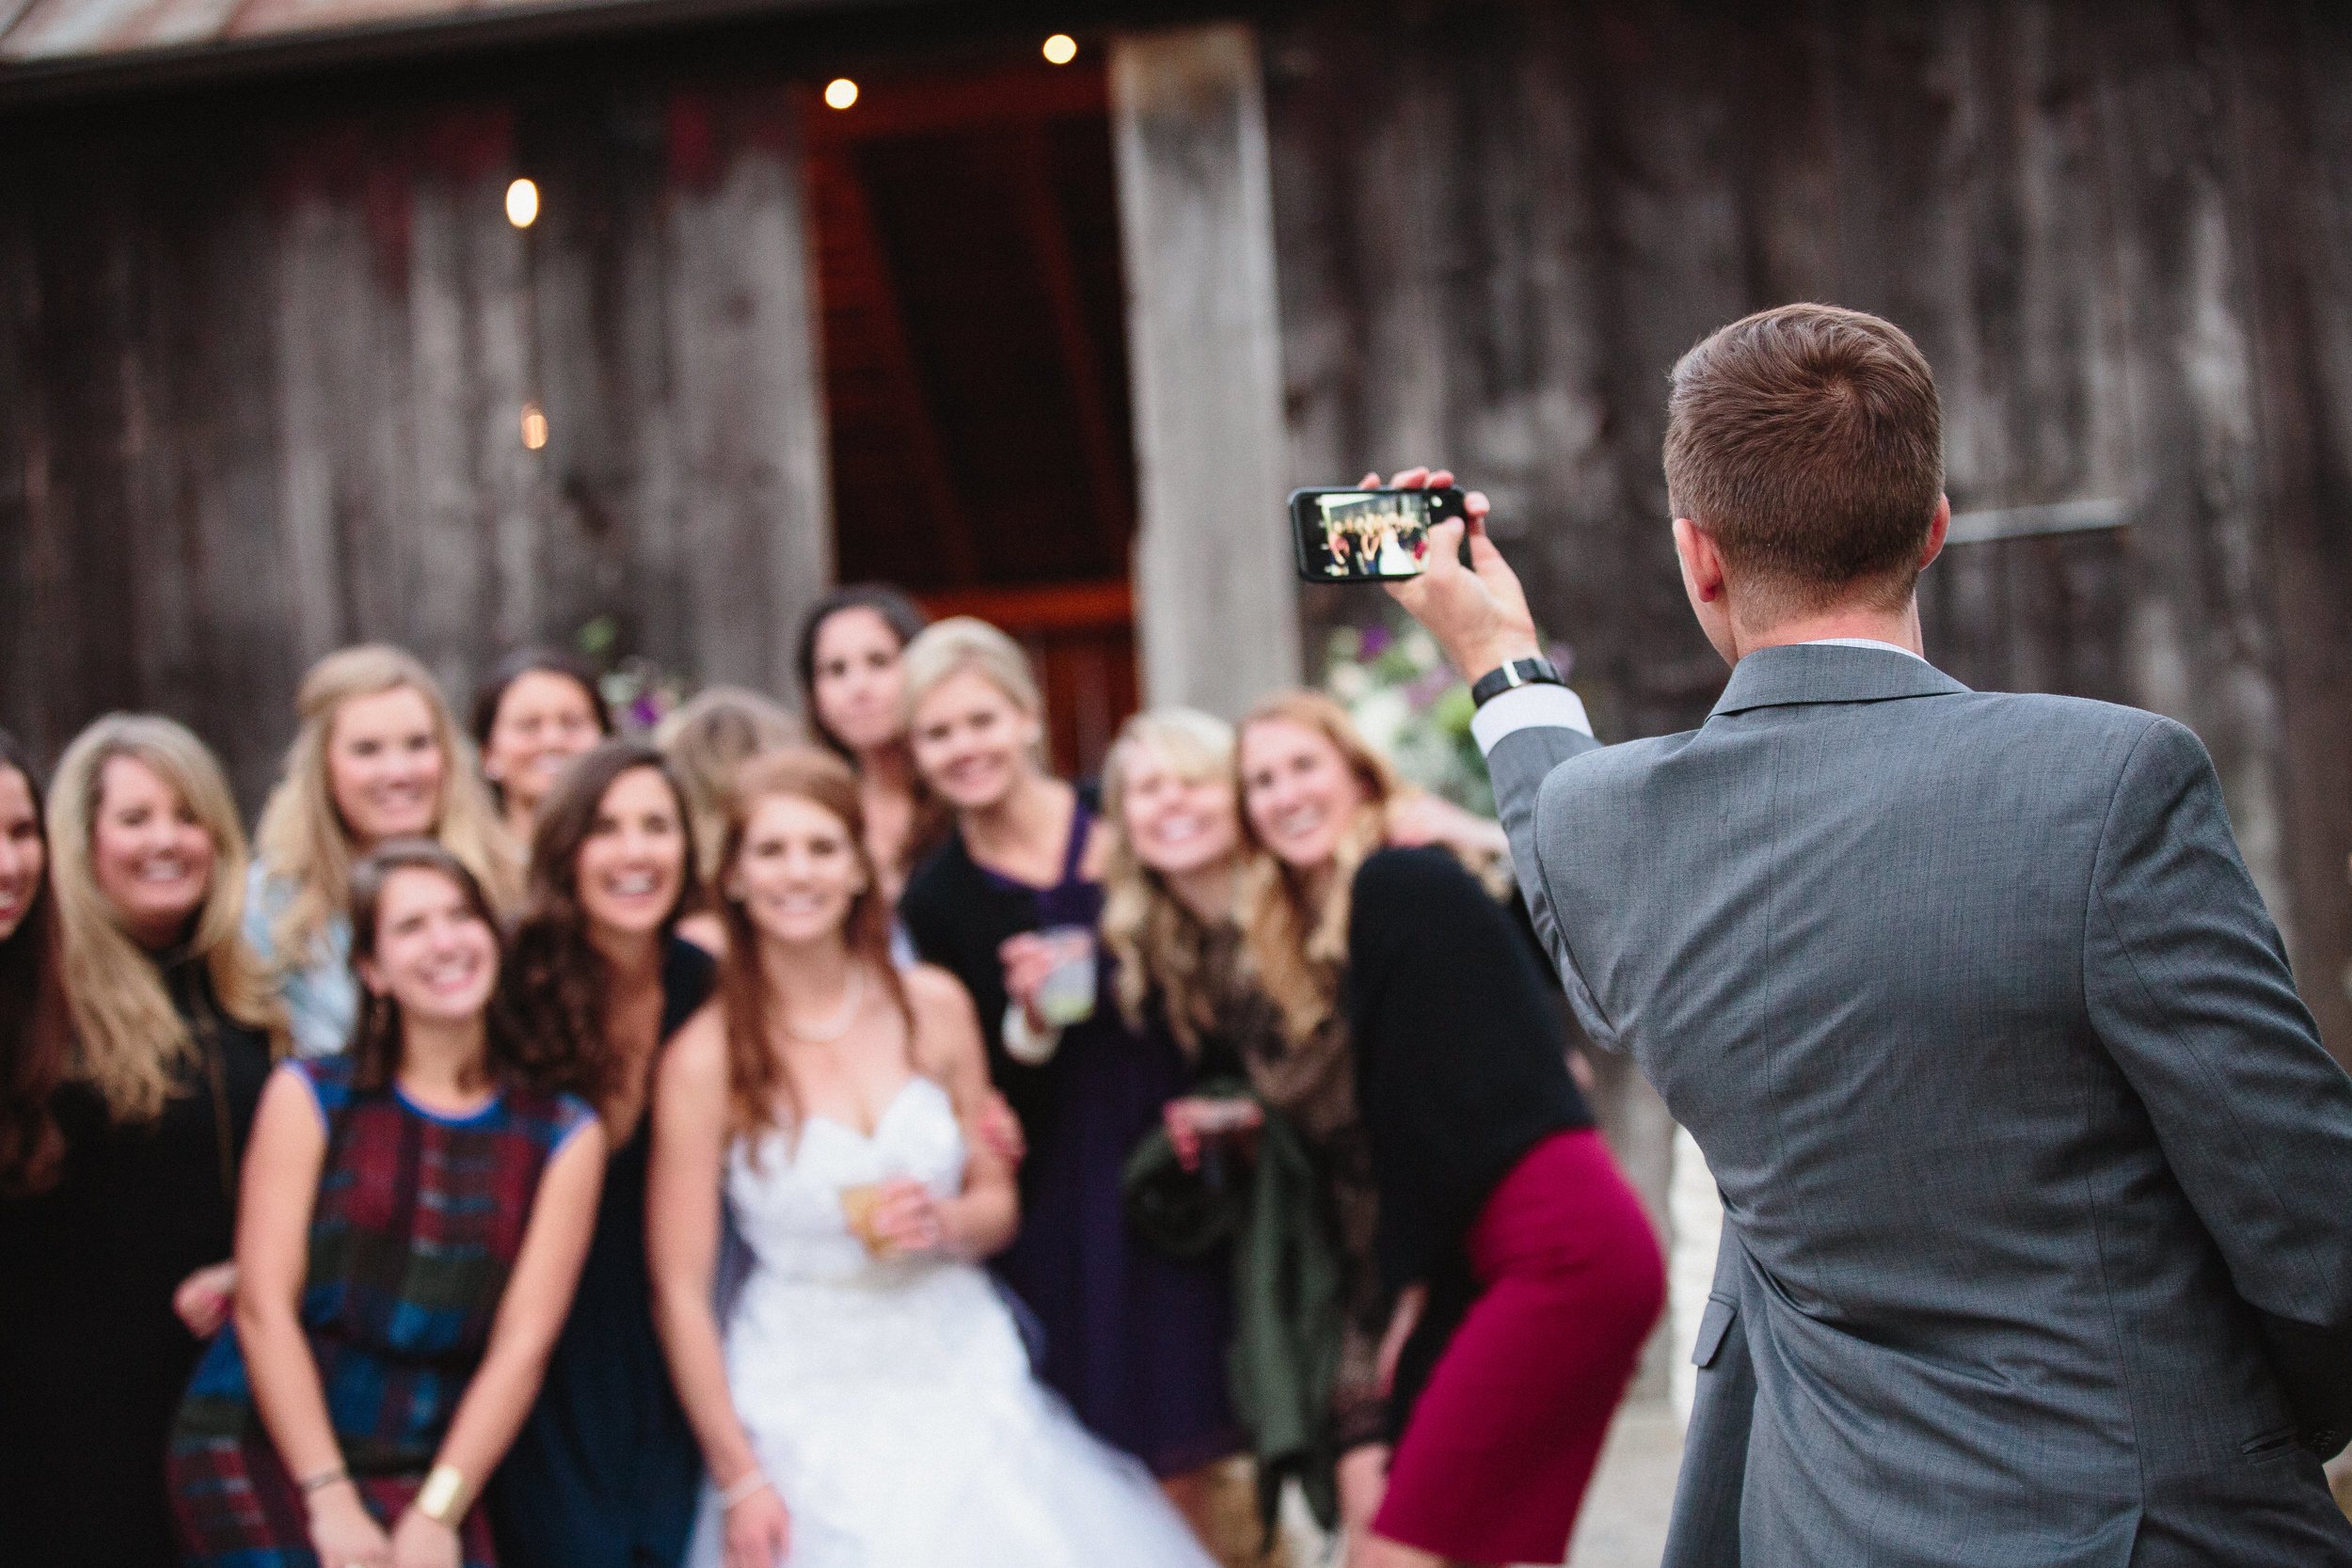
1479,616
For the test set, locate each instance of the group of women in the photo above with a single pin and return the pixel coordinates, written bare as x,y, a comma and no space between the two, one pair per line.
554,1149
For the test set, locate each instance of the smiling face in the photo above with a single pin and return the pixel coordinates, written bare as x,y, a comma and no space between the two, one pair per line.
858,684
1299,792
1177,824
22,855
150,857
385,765
544,720
435,957
631,869
972,742
798,874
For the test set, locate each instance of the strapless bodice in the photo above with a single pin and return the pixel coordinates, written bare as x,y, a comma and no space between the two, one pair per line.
784,1192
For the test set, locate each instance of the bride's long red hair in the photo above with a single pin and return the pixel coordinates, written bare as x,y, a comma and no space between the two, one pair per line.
760,1090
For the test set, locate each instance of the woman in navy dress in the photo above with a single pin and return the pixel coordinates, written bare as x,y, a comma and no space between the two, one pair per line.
603,1474
1134,1341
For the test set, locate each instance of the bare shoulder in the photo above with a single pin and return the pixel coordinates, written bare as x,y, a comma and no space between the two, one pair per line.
696,1060
946,1026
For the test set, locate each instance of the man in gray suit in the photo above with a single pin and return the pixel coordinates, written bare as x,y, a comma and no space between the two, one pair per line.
2037,1182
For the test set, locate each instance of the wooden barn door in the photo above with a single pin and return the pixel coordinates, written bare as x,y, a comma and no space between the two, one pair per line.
975,368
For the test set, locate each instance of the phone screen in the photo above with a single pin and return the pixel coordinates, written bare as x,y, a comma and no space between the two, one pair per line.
1366,535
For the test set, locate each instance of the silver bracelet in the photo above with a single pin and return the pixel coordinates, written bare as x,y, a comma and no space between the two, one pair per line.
747,1484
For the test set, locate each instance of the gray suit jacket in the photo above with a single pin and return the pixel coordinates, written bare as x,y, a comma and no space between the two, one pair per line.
2020,1126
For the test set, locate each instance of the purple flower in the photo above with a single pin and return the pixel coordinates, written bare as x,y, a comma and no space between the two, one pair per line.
645,712
1377,638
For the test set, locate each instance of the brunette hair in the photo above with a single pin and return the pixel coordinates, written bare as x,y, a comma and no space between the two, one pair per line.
1299,943
128,1036
901,614
302,838
706,740
375,1040
36,1037
557,985
1156,941
757,1085
527,661
1808,442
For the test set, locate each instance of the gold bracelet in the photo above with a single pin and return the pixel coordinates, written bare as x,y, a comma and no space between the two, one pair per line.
443,1498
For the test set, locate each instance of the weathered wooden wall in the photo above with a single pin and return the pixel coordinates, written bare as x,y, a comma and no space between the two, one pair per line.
2122,234
261,378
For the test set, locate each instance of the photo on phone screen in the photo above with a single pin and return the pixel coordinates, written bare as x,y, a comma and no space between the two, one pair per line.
1366,535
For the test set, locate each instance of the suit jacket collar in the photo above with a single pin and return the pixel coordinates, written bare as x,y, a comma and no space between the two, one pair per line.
1816,672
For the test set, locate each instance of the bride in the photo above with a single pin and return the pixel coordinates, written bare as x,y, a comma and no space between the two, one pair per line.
868,1402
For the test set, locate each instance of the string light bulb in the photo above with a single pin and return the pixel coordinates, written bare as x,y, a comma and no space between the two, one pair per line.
522,203
535,427
840,93
1061,49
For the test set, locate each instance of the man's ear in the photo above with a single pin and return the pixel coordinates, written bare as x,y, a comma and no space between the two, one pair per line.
1938,526
1702,563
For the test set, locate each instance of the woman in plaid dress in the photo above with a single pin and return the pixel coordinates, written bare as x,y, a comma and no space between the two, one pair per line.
412,1222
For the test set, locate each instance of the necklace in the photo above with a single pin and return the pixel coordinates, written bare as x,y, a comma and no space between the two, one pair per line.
838,1025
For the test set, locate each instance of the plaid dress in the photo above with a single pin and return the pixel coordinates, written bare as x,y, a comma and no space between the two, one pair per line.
418,1221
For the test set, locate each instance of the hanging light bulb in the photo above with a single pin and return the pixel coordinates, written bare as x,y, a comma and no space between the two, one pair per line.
535,427
1061,49
522,203
840,93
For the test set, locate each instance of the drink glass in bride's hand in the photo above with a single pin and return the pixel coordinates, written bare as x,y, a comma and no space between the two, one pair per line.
858,1203
900,1217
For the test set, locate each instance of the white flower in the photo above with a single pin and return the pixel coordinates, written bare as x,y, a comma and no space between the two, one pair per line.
1382,717
1347,682
1420,648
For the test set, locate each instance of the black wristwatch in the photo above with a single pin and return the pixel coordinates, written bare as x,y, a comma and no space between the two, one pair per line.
1519,671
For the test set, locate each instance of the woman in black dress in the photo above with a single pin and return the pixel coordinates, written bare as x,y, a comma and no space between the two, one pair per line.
1524,1273
603,1474
117,1231
851,661
1134,1341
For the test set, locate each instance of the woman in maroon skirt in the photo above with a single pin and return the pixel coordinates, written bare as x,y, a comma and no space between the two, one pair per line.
1525,1274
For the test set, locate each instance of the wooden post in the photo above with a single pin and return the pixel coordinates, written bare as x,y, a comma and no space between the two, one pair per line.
1215,599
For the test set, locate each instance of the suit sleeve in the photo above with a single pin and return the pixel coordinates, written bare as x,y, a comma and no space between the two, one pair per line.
1517,766
2187,986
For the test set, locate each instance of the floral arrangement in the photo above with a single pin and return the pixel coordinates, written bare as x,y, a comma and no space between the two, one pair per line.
639,692
1410,704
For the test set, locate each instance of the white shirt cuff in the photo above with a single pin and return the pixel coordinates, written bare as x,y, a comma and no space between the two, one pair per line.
1527,708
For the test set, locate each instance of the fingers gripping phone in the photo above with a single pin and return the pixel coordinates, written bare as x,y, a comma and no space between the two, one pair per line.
1367,535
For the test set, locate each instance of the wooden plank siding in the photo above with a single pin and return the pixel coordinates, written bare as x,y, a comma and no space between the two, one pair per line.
2121,235
261,378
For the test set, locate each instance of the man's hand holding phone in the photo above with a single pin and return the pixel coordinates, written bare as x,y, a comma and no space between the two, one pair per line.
1477,613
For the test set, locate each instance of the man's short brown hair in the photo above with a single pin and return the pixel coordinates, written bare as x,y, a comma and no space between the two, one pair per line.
1807,441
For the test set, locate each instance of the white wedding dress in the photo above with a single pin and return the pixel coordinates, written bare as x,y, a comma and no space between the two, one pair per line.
892,1403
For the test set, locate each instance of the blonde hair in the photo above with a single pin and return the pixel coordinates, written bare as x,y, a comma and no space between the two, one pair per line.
302,837
129,1038
1156,940
1299,944
945,649
707,742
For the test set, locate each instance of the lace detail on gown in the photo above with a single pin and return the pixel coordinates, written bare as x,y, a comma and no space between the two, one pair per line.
892,1402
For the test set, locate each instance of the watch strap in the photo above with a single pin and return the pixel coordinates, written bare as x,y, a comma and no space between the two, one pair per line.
1518,673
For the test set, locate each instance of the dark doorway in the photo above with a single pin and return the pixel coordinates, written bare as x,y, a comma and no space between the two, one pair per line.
976,367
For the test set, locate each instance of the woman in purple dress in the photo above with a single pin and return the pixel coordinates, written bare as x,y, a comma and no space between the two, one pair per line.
1134,1341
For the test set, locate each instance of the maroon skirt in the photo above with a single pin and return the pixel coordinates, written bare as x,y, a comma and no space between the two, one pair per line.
1494,1462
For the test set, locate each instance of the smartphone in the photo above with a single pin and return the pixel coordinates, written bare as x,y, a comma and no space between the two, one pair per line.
1366,535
